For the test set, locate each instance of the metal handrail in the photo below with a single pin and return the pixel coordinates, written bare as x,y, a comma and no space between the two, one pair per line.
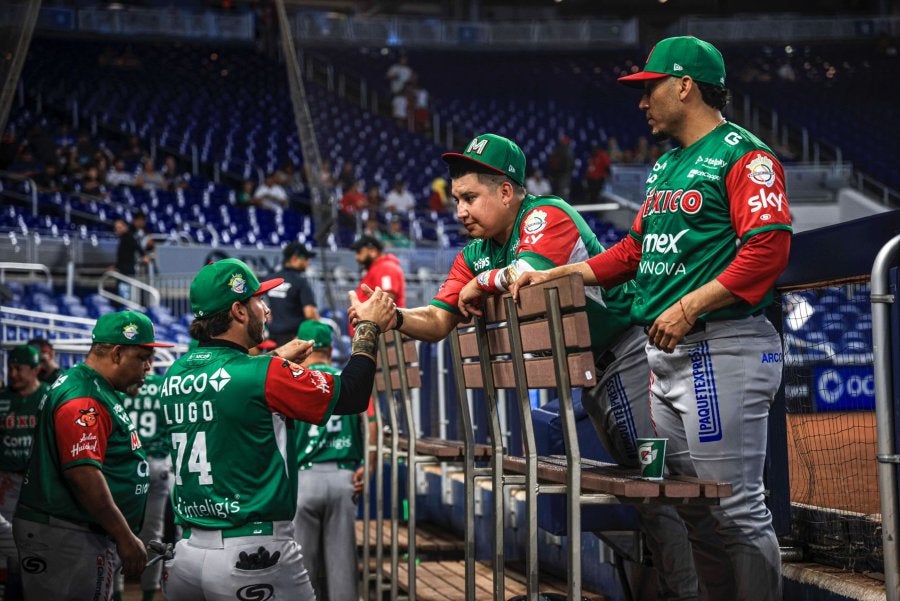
26,267
115,275
884,412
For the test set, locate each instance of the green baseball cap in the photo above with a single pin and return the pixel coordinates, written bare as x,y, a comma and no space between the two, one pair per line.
218,285
497,153
315,330
679,56
24,355
128,328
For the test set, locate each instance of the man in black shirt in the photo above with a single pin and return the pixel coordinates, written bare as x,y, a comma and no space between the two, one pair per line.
293,301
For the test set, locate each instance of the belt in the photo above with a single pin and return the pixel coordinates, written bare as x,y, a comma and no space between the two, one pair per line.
39,517
700,324
604,361
251,529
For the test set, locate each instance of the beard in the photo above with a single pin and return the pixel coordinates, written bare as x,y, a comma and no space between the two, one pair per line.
256,329
366,263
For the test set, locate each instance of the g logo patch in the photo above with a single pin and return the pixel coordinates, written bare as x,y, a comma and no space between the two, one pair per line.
33,565
255,592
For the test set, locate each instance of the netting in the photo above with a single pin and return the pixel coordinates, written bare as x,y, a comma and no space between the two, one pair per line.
830,401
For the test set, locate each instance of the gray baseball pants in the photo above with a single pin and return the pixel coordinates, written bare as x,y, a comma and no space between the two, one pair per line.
711,399
619,408
325,527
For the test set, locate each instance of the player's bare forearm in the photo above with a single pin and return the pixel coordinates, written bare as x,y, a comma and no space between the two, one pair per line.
536,277
428,323
91,491
675,322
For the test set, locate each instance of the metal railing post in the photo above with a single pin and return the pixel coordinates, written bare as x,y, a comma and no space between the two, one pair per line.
887,456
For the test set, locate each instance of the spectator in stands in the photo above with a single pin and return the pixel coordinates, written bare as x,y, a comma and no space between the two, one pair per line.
119,175
395,237
176,179
560,165
48,370
326,178
354,200
372,227
19,408
149,178
289,178
399,199
516,233
84,492
641,152
374,199
421,106
614,150
85,148
49,179
597,172
63,137
245,196
704,307
146,244
400,109
270,195
347,175
90,182
128,252
330,480
537,184
381,270
294,300
439,200
134,151
398,75
25,163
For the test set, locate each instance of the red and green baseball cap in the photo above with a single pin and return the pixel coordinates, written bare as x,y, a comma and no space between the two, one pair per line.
497,153
317,331
24,355
679,56
128,328
218,285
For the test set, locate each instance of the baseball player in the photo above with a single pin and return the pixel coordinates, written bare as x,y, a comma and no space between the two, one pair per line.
706,248
514,233
329,482
231,419
18,416
144,409
85,488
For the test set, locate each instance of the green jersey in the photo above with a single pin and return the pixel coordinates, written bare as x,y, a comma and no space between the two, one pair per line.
18,417
233,440
340,440
145,411
548,232
703,202
82,422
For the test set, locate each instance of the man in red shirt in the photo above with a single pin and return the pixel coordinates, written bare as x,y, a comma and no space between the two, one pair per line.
381,269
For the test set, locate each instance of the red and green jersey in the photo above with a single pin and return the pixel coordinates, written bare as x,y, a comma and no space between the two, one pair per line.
339,440
18,418
82,422
145,411
548,232
230,416
703,202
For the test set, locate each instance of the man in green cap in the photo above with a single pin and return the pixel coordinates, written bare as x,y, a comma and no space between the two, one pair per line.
706,248
514,233
18,415
329,482
231,416
84,492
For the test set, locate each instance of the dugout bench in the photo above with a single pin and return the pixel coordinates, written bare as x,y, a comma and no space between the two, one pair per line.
543,342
